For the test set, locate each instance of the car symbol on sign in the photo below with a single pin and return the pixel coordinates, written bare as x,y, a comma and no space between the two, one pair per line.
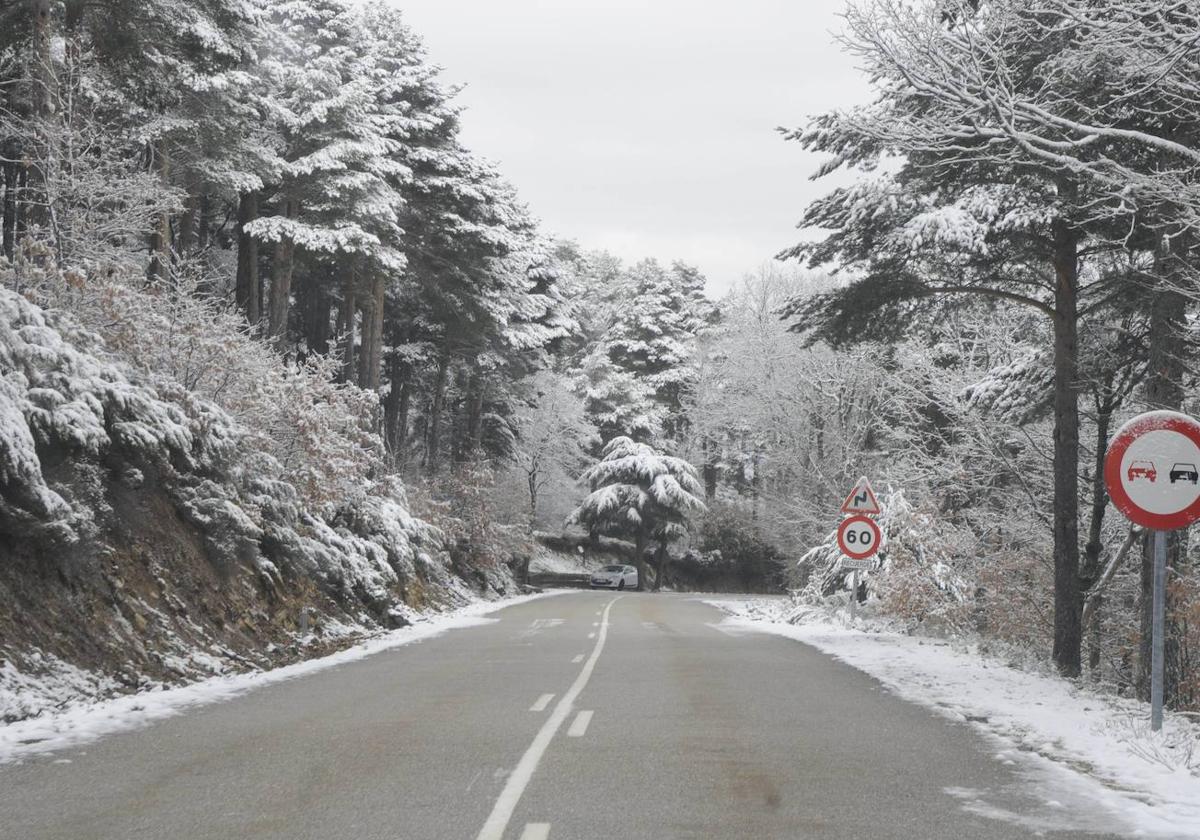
1143,469
1183,472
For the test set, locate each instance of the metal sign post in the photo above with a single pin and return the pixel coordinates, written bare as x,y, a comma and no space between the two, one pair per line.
1159,630
1151,472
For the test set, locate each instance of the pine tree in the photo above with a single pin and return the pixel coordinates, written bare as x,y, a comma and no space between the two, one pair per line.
637,376
637,491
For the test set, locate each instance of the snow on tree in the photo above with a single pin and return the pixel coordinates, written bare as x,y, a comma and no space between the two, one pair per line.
636,375
552,437
1005,189
334,197
637,491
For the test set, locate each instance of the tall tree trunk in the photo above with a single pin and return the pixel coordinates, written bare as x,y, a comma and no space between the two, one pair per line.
710,469
395,409
203,221
247,293
281,280
639,555
477,390
1068,602
320,310
662,559
42,73
1164,390
372,355
532,477
160,240
458,420
401,446
1105,405
8,227
185,237
22,214
437,405
348,317
1095,621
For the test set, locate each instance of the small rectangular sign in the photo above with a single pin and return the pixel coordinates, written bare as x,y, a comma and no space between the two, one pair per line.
857,565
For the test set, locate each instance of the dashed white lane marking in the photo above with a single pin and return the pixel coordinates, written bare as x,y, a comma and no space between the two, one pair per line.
580,724
591,635
536,831
578,658
518,780
542,703
595,623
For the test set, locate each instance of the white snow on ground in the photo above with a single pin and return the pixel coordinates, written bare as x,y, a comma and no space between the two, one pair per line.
1064,736
569,563
558,562
84,722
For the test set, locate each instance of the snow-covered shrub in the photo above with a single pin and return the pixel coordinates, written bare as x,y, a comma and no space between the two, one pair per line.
248,506
317,431
461,504
54,397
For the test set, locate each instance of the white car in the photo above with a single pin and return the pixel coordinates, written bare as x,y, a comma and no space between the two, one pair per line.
615,577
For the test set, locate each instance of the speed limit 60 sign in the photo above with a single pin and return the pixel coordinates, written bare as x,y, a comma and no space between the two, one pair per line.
858,537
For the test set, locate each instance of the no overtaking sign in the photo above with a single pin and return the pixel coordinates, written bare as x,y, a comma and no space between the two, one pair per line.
1152,472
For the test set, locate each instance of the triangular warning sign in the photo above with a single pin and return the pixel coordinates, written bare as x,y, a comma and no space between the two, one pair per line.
861,499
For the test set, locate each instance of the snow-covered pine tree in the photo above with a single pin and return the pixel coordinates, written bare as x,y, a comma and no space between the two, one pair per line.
995,203
636,377
464,222
334,202
638,492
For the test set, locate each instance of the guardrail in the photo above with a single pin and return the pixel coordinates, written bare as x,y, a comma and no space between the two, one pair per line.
570,580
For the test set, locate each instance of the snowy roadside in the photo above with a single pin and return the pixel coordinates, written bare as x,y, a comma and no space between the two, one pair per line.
1151,780
79,723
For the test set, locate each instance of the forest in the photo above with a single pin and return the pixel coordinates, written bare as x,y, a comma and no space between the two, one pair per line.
249,261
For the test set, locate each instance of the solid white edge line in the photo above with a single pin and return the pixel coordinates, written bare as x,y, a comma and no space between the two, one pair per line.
541,703
536,831
580,724
518,780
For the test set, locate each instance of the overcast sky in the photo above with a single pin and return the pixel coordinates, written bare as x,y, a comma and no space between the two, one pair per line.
647,127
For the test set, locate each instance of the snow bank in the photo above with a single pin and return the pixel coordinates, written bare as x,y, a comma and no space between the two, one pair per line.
1150,780
80,723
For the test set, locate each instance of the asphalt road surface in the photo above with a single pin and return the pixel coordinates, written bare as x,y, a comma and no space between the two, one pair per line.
586,716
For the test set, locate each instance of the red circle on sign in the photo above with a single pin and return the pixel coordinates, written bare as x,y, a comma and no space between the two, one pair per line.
1115,480
856,550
